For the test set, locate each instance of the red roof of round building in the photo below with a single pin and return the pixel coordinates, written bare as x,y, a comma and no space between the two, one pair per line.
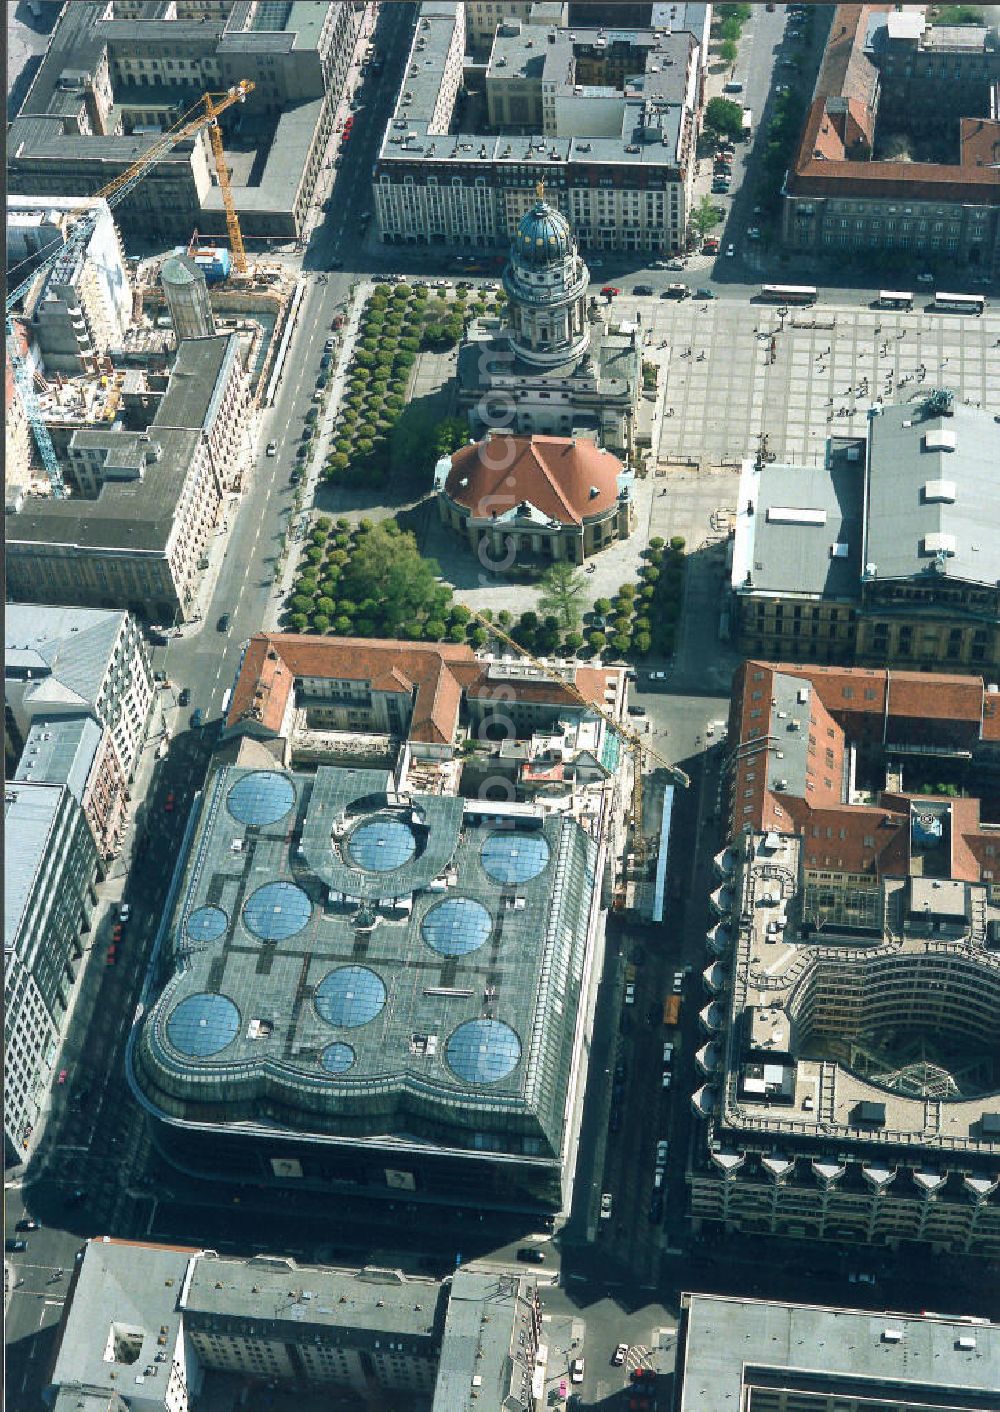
565,478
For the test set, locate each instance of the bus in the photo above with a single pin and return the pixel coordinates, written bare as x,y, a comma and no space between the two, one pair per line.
895,299
789,293
960,303
672,1011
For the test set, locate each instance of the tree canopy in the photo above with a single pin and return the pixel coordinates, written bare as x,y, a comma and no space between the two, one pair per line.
562,587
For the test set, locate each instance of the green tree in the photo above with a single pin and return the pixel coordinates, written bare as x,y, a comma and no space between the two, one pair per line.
572,642
562,589
596,641
730,31
602,606
387,568
704,216
724,117
728,51
298,622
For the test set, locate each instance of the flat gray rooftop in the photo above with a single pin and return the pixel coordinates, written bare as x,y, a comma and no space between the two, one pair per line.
734,1344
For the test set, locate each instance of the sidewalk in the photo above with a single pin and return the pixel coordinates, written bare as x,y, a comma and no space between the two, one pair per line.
307,494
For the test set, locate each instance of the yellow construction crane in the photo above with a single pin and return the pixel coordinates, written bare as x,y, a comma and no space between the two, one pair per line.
212,112
633,741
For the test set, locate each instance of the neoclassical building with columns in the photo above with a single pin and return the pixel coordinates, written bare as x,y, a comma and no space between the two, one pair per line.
552,366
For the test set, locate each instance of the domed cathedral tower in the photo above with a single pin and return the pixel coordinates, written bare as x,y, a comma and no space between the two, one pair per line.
546,285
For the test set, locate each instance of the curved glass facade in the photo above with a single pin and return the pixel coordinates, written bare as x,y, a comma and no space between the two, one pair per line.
206,923
512,857
337,1058
381,845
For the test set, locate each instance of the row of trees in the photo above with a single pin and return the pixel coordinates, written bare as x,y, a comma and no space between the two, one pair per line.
376,435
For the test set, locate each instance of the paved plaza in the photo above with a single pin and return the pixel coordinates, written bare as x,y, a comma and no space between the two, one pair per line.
729,390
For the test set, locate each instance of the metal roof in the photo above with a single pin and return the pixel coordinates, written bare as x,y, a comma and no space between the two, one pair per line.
910,460
67,651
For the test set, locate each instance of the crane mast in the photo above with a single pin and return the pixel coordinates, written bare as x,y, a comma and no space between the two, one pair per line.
633,742
113,192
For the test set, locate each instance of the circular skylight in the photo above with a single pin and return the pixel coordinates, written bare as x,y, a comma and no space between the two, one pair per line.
351,996
203,1024
276,911
206,923
382,844
337,1058
261,798
483,1051
511,857
456,926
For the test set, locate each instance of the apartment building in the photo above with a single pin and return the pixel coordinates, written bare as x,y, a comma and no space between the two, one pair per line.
63,661
50,868
850,1090
114,77
780,1357
175,1314
19,448
899,148
882,554
82,306
608,120
138,529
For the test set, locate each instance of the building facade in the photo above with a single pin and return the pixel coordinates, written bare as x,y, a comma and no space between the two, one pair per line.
883,554
874,171
553,497
608,120
63,661
553,367
51,866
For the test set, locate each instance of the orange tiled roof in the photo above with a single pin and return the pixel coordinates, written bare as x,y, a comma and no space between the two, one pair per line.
556,474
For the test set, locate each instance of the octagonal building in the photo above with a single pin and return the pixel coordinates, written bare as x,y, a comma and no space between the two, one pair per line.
372,992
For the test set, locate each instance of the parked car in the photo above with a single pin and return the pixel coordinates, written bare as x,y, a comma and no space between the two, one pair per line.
730,250
197,719
704,294
607,1204
667,1079
531,1255
619,1355
662,1148
753,233
576,1370
678,985
637,710
27,1224
184,697
630,994
63,1076
642,289
15,1246
675,264
610,290
272,448
168,803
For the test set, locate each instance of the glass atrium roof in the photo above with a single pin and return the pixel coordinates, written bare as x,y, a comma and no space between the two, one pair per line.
382,844
261,798
514,857
456,926
350,996
203,1024
276,911
337,1058
206,923
483,1051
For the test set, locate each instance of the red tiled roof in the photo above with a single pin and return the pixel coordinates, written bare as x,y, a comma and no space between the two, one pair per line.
433,675
556,474
423,671
822,164
856,704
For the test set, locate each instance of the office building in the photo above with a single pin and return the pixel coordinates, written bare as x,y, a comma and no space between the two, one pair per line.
19,450
81,306
851,1084
145,1323
607,119
113,79
900,144
375,990
148,492
50,869
885,553
775,1357
68,661
547,496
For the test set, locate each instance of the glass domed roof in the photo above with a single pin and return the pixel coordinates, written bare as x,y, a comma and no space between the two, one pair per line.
543,237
